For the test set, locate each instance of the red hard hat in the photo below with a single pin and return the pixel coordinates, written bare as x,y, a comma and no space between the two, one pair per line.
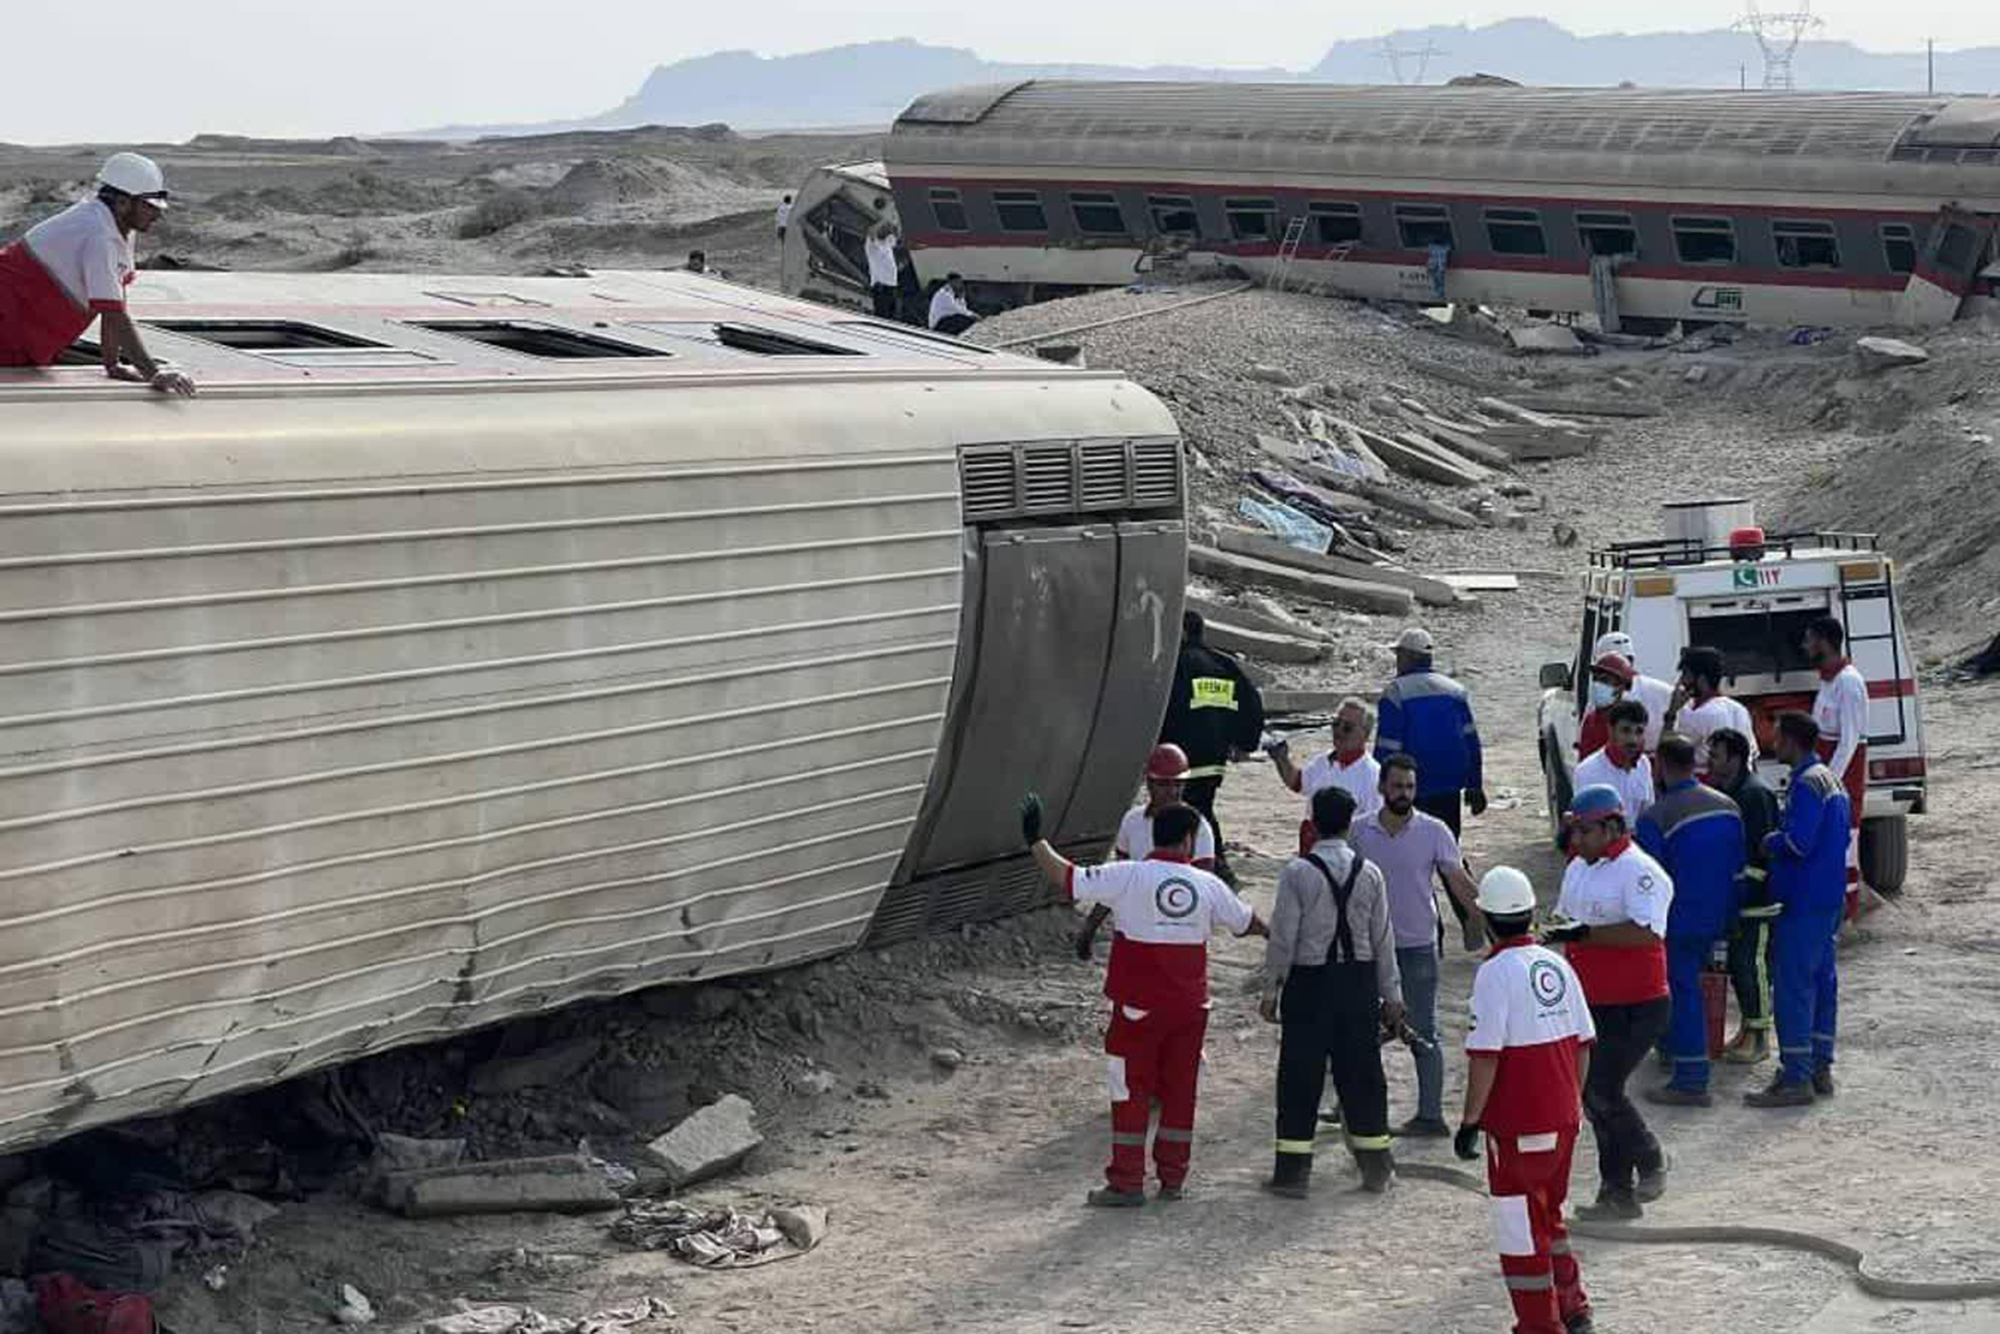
1615,664
1167,764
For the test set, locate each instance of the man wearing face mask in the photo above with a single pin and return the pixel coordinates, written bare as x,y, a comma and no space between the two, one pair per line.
1611,676
1841,711
1633,684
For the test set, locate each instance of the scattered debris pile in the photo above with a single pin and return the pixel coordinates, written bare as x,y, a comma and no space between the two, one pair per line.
720,1238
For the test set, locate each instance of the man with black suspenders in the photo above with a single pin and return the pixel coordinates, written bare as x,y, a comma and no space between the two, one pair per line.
1330,980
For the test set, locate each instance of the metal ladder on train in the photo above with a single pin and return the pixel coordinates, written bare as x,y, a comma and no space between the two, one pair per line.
1288,250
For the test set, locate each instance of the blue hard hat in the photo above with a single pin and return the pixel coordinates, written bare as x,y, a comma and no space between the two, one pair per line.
1595,802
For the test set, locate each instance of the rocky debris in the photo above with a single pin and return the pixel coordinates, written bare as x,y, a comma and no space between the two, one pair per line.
1268,374
1546,340
402,1153
1241,542
470,1319
708,1143
1323,588
947,1058
1886,354
720,1238
568,1183
556,1063
355,1308
1270,648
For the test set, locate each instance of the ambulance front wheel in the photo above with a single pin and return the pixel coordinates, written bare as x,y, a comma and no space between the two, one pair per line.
1885,853
1556,782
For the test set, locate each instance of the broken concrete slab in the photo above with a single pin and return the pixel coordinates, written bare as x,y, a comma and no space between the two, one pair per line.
557,1063
1353,593
1250,618
1287,703
565,1183
1242,542
1256,644
401,1153
1389,498
1886,354
1546,340
708,1143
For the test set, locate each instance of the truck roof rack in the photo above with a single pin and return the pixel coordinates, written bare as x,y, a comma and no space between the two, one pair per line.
1666,553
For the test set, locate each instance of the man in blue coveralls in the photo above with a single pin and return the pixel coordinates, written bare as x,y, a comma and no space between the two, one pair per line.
1697,834
1808,860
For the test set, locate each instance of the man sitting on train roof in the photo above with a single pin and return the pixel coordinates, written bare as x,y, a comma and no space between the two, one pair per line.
74,267
949,313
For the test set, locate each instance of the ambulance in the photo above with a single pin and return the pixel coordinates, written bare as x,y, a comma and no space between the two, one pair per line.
1717,580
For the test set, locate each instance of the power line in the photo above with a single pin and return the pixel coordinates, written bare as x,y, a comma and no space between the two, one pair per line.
1396,55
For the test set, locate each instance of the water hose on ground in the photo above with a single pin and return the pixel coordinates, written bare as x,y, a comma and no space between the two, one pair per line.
1723,1234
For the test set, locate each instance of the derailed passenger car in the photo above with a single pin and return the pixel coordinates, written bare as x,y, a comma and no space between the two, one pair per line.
475,645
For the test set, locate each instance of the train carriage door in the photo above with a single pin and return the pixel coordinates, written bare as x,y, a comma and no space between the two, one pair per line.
1946,268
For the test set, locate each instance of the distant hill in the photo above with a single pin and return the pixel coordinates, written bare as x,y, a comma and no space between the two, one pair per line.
869,83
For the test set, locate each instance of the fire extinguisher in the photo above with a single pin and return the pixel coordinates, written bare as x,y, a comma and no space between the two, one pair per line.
1715,997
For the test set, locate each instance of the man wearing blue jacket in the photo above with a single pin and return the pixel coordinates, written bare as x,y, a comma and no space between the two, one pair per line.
1697,834
1808,863
1427,715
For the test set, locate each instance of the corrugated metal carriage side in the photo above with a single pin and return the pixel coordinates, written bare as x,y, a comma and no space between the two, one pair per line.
340,720
1816,207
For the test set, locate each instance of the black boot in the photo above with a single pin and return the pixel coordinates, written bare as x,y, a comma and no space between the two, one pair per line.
1291,1175
1378,1169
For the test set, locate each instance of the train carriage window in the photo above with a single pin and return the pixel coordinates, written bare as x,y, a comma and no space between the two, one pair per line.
1173,215
1705,240
1516,231
1954,252
1020,211
1423,225
1335,224
948,208
1097,214
1899,247
1805,245
1607,233
1252,219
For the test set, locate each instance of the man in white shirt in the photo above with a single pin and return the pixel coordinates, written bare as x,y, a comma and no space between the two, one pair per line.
949,313
784,217
1648,690
883,270
1348,766
74,268
1621,765
1166,785
1841,710
1699,709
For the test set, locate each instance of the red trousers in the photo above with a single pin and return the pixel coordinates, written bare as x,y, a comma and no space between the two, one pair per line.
1158,1056
1855,781
1528,1179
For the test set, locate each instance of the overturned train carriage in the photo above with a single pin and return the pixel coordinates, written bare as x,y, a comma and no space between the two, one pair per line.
472,646
1645,206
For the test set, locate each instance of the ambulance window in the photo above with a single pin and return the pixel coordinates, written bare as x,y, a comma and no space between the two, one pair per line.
1756,641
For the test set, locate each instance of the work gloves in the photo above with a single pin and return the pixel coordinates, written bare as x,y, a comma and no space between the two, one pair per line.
1475,800
1031,820
1466,1142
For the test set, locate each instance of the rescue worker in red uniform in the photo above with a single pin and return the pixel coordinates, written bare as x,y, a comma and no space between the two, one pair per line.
1841,711
1166,778
1164,909
74,268
1528,1052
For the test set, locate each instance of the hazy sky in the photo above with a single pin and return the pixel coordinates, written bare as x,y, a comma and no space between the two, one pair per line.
277,67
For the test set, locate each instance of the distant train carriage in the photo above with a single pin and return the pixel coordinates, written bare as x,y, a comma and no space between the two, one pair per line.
1649,207
475,645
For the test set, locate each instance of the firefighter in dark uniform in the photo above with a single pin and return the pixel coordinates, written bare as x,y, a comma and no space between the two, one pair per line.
1330,980
1213,713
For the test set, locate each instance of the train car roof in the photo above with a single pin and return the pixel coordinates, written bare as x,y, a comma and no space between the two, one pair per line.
1672,135
297,328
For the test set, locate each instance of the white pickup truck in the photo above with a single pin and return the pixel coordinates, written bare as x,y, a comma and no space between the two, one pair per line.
1752,601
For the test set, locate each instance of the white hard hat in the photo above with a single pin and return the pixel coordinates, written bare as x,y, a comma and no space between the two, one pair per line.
1617,641
1416,639
1505,892
135,175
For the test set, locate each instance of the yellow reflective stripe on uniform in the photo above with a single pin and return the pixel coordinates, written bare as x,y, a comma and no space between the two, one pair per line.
1754,873
1212,692
1208,771
1304,1146
1370,1142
